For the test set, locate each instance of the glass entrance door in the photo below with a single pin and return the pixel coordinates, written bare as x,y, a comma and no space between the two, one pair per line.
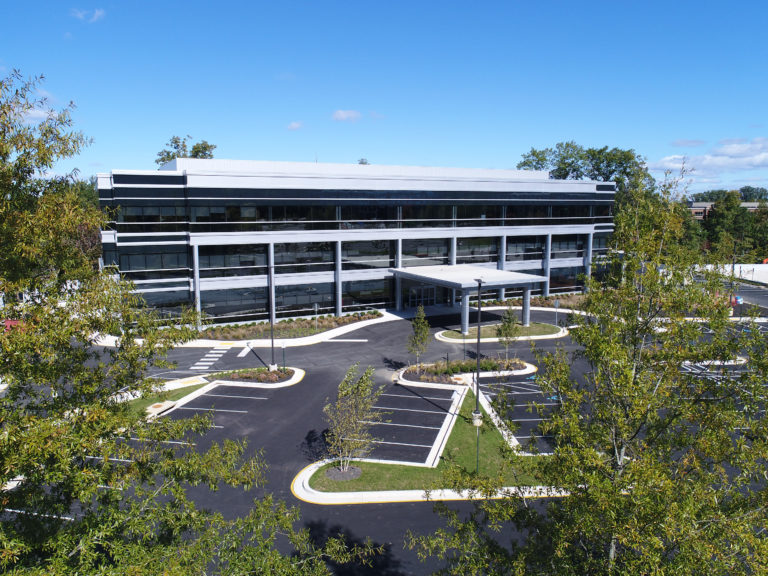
421,295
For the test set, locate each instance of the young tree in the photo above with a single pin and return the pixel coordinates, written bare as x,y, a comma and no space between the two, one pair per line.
419,340
663,467
350,417
177,148
508,330
86,485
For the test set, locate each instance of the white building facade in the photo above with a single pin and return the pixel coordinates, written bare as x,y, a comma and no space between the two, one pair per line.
242,240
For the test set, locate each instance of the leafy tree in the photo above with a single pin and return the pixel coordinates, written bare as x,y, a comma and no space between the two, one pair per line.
350,417
88,485
363,161
571,161
508,330
419,340
729,228
664,468
177,148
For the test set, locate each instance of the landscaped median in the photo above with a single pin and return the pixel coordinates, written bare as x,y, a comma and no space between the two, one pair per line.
536,331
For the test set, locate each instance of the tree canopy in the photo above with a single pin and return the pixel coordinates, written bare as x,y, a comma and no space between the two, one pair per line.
571,161
660,445
177,148
88,486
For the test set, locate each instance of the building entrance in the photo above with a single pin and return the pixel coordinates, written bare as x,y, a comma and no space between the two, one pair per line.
421,295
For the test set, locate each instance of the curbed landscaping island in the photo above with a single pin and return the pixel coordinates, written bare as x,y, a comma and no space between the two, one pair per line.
495,459
488,332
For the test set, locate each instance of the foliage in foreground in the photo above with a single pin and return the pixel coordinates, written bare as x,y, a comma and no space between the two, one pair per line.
665,468
88,486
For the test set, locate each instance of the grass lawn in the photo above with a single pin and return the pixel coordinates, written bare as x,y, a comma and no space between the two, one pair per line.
140,405
535,329
460,449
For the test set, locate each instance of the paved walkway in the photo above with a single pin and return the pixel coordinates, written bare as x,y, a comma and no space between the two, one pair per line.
335,333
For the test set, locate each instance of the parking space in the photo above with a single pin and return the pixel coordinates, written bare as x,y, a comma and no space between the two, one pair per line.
235,410
415,423
521,393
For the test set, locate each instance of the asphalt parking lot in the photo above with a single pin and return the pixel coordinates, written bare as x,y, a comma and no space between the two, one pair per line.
521,393
415,422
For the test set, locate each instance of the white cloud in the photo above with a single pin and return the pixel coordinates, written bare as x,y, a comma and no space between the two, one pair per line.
346,115
731,155
89,16
684,143
35,115
295,125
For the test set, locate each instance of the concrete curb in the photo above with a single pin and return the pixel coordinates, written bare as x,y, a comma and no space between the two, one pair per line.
301,489
562,333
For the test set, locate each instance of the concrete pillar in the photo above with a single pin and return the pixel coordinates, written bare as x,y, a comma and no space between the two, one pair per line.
527,306
501,262
337,278
398,281
545,264
452,259
196,275
465,312
588,255
271,279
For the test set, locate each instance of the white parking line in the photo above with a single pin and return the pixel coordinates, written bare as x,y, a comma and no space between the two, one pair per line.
443,413
416,397
244,352
403,425
212,410
102,458
233,396
402,444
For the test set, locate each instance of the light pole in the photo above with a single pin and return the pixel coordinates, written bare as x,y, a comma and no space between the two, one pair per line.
477,416
283,357
271,279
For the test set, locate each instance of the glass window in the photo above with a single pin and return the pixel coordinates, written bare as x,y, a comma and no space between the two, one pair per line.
427,216
471,250
367,294
478,215
371,254
368,216
304,257
427,252
301,299
525,248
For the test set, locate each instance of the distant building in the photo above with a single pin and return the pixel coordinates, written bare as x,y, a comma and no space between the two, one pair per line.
252,240
700,210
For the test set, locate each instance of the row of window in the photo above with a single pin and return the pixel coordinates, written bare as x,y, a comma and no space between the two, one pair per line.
251,259
300,299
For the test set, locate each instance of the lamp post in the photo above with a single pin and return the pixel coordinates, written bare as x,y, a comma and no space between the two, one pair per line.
283,357
477,416
271,279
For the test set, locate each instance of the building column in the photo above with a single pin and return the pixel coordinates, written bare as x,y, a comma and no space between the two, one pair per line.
526,306
337,277
588,255
465,312
501,263
452,258
546,263
398,281
196,276
271,282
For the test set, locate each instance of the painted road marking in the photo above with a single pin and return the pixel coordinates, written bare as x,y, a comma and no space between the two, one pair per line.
233,396
413,397
403,425
412,410
244,352
402,444
212,410
347,340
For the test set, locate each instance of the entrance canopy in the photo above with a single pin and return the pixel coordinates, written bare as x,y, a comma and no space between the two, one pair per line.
464,277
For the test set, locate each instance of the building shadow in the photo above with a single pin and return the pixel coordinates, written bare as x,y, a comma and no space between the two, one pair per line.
382,564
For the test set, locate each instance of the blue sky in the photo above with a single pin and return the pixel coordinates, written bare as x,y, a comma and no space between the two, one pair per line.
416,83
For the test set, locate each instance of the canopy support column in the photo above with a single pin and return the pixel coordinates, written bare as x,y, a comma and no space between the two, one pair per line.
465,312
527,306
